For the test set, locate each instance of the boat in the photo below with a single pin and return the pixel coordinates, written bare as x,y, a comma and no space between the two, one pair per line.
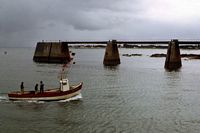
65,91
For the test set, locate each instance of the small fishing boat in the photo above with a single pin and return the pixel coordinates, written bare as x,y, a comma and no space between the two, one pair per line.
65,91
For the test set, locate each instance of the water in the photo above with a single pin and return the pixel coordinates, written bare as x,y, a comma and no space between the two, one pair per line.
136,96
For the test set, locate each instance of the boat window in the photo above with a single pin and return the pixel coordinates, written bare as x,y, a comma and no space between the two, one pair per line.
64,83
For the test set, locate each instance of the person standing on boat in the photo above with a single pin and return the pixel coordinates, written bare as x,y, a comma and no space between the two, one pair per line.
41,87
22,87
36,88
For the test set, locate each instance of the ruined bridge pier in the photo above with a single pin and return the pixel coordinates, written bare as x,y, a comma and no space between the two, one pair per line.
111,57
172,62
52,52
58,52
173,58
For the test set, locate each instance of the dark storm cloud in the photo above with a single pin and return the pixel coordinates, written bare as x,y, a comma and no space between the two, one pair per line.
32,18
89,14
24,22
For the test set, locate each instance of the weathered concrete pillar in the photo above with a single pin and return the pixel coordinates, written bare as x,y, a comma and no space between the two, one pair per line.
173,59
52,52
42,52
59,53
111,57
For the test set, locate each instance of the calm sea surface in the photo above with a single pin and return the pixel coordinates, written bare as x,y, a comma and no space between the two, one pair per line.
137,96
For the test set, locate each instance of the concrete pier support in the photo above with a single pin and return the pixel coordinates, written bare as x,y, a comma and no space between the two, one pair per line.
111,57
52,52
173,59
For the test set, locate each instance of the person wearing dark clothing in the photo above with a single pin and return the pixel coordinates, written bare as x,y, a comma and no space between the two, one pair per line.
41,87
36,88
22,87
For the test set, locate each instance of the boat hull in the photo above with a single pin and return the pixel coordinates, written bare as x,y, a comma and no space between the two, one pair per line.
48,95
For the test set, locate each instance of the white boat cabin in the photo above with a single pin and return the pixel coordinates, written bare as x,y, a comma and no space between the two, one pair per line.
64,85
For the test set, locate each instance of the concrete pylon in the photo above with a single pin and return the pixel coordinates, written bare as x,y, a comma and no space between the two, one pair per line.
52,52
111,57
173,59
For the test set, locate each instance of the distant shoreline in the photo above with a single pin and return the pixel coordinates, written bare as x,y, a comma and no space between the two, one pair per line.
135,46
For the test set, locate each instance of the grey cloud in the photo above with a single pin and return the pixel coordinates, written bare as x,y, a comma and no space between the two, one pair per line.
24,22
33,18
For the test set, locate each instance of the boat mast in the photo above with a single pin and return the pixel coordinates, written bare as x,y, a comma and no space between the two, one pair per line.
65,69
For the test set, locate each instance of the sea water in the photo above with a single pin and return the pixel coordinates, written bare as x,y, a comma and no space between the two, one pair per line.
138,95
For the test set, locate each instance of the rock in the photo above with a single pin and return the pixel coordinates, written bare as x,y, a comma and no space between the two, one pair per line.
129,55
189,56
158,55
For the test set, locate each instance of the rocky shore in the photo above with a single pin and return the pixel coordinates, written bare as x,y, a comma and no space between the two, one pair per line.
87,46
190,56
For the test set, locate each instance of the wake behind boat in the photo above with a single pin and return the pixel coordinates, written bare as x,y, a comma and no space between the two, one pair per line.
65,91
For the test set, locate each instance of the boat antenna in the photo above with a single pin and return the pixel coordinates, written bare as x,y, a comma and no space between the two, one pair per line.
65,68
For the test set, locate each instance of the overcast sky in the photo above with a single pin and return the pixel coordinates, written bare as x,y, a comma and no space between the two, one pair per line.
25,22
